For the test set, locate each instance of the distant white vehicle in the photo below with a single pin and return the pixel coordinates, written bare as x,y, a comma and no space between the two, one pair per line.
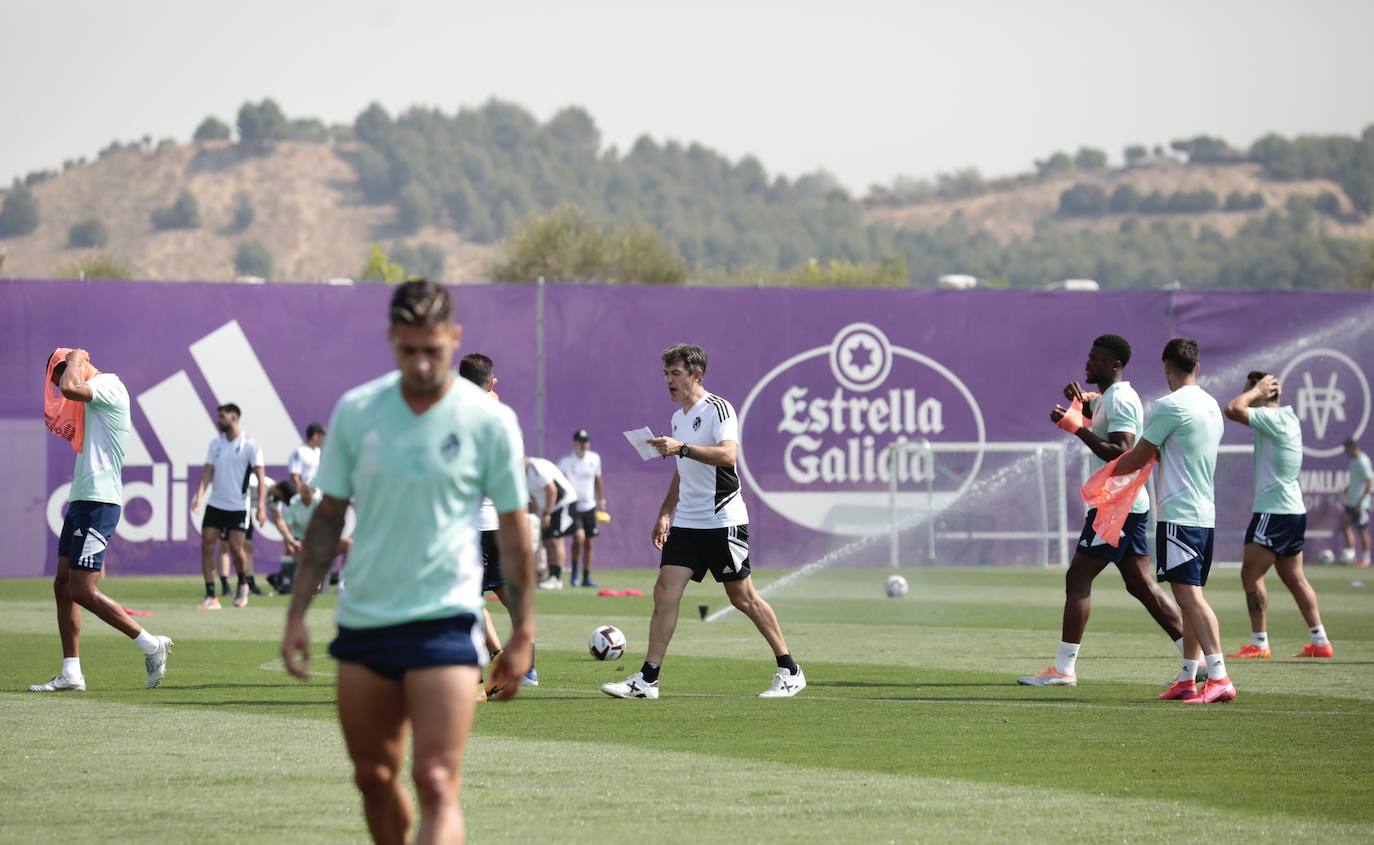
957,281
1077,284
250,280
339,280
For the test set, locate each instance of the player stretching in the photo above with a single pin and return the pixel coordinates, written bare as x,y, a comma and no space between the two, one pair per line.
1279,525
416,450
1184,431
1116,421
92,515
703,525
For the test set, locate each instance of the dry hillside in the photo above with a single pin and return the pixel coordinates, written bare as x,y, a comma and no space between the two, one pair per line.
1015,212
308,213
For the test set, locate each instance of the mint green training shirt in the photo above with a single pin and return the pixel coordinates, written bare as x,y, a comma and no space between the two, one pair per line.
1278,460
1186,426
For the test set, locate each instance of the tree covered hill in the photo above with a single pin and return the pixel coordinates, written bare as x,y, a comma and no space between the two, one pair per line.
445,189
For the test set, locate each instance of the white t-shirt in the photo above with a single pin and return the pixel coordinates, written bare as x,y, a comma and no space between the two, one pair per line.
538,475
305,462
707,496
233,461
1118,409
100,464
583,473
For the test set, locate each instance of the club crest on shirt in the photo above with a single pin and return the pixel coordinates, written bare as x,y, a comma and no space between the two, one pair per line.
696,424
450,447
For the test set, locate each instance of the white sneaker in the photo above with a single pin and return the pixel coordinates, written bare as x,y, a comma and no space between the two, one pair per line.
156,663
60,683
551,583
632,687
785,685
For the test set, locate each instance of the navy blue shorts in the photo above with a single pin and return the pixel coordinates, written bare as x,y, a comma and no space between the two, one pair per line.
1183,553
85,533
1358,516
491,562
1281,533
1135,539
393,650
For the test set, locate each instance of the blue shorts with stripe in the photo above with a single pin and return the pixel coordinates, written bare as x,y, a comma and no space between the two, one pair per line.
393,650
1281,533
1135,539
86,531
1183,553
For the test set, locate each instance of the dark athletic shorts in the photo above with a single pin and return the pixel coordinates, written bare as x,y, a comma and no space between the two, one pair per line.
560,524
586,521
1183,553
491,562
393,650
1358,516
226,521
1281,533
86,531
724,552
1135,539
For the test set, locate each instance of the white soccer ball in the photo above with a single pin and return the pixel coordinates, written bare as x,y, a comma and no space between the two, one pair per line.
606,643
896,586
1347,556
1327,556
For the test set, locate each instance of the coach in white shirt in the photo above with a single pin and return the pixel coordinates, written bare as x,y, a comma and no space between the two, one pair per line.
232,458
582,466
305,462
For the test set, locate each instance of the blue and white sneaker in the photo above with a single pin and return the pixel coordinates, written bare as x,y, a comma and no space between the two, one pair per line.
532,677
632,687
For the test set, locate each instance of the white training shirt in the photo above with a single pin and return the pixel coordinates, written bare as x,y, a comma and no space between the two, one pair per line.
233,461
707,496
538,475
305,462
583,473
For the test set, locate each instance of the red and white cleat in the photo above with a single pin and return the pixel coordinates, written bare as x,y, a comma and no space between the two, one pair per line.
1215,692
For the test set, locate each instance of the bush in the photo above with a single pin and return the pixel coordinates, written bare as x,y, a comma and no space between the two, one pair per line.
86,234
1192,202
425,260
1089,158
100,267
1328,203
567,245
1084,199
1153,203
262,123
1124,199
243,212
182,214
413,208
380,269
19,212
251,258
212,129
1135,155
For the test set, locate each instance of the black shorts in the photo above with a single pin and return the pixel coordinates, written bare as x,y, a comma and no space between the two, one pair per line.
724,552
226,521
560,524
1183,553
86,531
1358,516
1135,539
1281,533
393,650
585,521
491,562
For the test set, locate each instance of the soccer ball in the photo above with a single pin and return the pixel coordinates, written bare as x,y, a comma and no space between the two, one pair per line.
606,643
1327,556
896,586
1347,556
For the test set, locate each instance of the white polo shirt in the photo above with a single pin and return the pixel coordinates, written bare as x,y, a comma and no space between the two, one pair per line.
707,496
233,461
305,462
538,475
583,473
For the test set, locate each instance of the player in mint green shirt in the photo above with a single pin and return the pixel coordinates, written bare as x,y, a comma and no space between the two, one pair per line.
1184,432
1355,517
1278,527
416,451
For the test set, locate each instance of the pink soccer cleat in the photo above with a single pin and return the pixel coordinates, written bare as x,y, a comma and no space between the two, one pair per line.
1180,691
1215,692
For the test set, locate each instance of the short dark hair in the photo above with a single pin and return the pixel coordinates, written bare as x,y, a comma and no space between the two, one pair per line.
420,302
1253,377
476,368
1350,441
1181,353
693,357
313,429
283,490
1115,344
231,408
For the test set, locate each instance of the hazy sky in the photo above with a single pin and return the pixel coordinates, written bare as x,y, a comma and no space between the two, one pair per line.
866,90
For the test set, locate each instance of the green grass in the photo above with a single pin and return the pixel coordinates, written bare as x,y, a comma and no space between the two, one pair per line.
912,728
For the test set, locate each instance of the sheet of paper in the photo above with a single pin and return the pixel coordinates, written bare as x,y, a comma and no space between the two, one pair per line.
637,439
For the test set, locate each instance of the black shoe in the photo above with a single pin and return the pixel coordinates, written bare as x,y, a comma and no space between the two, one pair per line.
272,580
256,590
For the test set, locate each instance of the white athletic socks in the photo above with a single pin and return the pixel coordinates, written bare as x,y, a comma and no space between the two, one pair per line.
71,668
1319,635
146,642
1188,672
1216,667
1261,639
1066,658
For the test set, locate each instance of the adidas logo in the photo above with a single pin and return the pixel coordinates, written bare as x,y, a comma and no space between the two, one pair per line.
184,426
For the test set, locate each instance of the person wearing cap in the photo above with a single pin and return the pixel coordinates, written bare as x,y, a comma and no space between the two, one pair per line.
582,466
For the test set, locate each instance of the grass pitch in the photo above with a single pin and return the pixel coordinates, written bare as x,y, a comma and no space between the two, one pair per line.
912,728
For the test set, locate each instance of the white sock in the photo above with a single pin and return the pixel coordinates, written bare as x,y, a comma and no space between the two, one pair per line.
146,642
1319,635
1178,644
1216,667
1260,640
71,667
1188,672
1066,658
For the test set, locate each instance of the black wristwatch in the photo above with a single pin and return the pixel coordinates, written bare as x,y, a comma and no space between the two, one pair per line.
685,451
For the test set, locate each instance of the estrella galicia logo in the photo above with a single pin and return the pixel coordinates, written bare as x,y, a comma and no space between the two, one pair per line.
696,424
818,429
450,447
1332,399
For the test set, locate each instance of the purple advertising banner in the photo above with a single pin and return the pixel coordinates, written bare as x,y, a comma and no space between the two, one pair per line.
825,382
